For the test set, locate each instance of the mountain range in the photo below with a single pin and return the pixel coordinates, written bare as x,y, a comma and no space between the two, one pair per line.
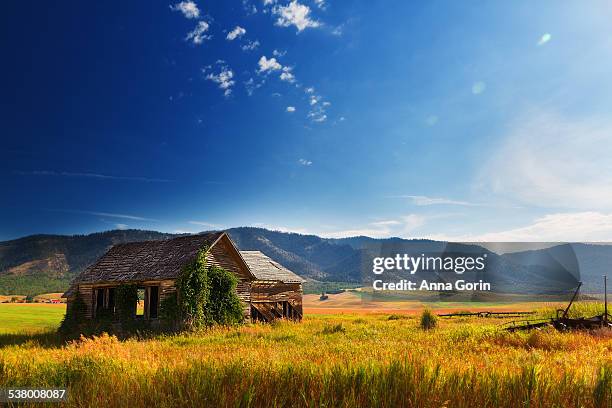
46,263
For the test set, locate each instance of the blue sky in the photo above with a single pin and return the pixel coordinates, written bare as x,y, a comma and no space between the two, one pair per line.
442,119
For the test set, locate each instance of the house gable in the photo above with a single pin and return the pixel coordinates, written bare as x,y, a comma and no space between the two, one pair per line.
224,254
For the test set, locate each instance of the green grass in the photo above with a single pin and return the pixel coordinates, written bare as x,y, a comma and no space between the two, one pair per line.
32,317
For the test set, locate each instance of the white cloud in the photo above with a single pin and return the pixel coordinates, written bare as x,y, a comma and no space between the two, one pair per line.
338,31
413,221
188,8
235,33
197,36
250,45
121,226
278,53
317,112
426,201
546,37
286,75
547,160
290,109
305,162
321,4
269,2
478,87
587,226
385,223
224,78
295,14
266,64
317,116
309,90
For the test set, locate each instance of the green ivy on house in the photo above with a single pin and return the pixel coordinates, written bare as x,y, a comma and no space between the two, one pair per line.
206,295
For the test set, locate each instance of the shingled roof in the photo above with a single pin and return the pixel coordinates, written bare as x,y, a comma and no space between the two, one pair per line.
157,260
266,269
148,260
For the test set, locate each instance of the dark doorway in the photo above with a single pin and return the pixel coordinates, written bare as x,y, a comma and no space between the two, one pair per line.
99,300
111,300
153,302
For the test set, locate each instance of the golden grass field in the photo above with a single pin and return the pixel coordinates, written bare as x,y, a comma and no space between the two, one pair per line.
348,358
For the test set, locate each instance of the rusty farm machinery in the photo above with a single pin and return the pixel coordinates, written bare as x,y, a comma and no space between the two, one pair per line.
563,322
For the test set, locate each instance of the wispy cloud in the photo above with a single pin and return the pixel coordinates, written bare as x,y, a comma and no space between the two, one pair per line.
321,4
427,201
317,115
318,109
548,160
249,8
122,226
588,226
105,214
338,30
546,37
198,34
305,162
188,8
251,85
235,33
385,223
250,45
295,14
206,224
404,226
223,77
98,176
290,109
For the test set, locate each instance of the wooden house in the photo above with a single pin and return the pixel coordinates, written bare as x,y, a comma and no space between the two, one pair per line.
267,290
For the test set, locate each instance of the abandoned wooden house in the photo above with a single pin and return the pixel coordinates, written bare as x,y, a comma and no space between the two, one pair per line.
267,290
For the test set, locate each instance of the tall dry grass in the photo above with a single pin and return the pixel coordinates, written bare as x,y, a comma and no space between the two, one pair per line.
326,361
